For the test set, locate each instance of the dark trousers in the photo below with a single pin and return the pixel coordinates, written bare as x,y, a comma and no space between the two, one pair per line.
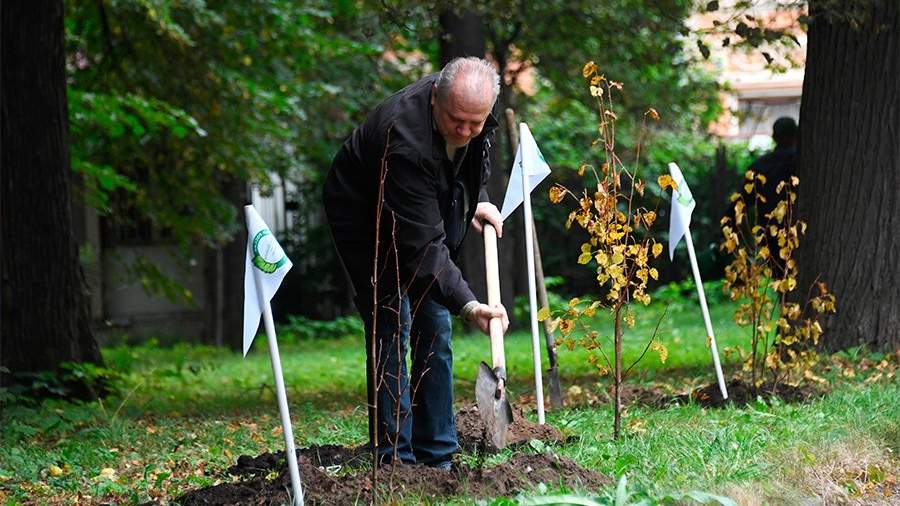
414,414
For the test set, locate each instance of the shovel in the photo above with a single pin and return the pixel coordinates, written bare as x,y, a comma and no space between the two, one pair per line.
490,385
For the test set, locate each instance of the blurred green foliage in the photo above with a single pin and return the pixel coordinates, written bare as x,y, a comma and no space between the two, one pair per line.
172,104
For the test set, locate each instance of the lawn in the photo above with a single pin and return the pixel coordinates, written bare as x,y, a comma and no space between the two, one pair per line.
182,415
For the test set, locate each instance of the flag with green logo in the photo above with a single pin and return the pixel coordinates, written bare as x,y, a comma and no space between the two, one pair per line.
682,206
265,269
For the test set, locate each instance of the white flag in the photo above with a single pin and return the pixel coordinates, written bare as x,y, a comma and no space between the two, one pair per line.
267,263
682,206
528,160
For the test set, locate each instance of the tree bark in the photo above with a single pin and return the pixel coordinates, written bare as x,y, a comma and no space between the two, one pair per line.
849,173
45,302
224,277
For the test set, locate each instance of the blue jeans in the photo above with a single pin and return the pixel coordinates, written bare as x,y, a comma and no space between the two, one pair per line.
414,414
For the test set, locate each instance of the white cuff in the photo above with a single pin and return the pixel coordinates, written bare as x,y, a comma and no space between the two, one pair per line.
467,309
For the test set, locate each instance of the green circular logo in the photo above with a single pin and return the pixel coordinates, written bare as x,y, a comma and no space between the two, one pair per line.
267,253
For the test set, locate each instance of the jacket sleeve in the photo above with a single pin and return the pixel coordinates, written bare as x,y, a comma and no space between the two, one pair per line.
411,198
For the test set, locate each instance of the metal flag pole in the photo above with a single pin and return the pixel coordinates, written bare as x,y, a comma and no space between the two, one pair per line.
532,295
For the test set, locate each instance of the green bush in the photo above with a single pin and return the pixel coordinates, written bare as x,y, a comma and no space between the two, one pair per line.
301,327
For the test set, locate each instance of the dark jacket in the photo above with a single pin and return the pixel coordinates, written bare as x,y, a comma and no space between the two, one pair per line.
778,165
427,203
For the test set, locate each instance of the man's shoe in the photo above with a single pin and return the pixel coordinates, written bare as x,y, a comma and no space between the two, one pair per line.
445,465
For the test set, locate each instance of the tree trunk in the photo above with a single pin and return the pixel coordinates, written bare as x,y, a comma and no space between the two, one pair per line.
849,173
617,372
45,302
465,36
224,278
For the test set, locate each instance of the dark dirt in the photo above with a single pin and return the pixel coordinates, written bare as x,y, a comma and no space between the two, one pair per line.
339,475
471,431
741,393
522,472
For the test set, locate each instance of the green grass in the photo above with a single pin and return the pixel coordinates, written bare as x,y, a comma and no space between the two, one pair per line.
184,414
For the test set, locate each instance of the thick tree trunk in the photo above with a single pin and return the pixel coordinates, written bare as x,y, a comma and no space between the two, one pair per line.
850,173
45,301
465,36
224,278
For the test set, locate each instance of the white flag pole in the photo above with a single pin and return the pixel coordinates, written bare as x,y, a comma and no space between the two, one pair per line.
532,297
702,296
280,393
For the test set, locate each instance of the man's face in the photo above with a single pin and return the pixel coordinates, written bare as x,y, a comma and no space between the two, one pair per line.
460,116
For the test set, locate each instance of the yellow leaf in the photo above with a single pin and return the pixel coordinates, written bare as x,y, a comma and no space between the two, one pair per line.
543,313
763,253
574,302
55,470
557,193
748,188
554,323
586,248
654,273
584,258
657,249
649,218
666,181
596,91
601,258
662,350
589,69
642,275
761,178
779,212
108,473
795,181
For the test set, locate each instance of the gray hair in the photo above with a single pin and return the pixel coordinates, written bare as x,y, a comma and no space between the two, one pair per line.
470,66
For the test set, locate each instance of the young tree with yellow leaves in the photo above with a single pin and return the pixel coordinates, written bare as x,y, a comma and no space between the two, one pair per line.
618,243
762,237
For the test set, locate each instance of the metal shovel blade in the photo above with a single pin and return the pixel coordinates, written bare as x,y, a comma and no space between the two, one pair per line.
490,394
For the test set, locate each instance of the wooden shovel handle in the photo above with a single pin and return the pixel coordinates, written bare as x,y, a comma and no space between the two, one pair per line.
493,294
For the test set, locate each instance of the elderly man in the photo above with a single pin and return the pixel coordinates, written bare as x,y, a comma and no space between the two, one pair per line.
400,196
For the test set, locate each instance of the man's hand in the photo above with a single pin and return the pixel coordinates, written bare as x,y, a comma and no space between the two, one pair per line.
482,315
487,212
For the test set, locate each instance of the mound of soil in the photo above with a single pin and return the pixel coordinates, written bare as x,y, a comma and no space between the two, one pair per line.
337,475
522,472
741,393
472,435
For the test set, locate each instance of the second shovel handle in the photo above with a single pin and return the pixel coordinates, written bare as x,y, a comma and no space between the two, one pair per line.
493,294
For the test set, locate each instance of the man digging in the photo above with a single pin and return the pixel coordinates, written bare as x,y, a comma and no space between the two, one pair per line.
429,142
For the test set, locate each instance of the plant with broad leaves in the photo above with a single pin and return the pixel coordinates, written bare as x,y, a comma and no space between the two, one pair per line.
762,234
619,244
